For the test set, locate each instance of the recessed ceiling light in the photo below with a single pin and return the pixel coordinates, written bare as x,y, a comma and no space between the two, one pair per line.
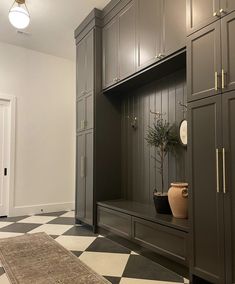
18,15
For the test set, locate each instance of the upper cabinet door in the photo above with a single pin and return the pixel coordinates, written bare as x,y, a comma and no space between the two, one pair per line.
226,6
90,62
81,67
174,26
201,13
127,41
228,52
204,63
110,53
149,28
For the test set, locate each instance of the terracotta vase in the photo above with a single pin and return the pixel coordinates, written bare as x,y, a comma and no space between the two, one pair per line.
178,199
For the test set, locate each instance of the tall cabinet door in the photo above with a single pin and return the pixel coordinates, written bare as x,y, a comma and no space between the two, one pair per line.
201,13
228,52
206,194
80,177
204,62
229,182
89,177
174,25
127,41
110,53
149,27
81,67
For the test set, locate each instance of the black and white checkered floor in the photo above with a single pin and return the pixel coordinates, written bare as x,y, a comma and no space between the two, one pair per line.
115,262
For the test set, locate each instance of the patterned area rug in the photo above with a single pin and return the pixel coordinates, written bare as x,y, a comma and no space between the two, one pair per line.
37,258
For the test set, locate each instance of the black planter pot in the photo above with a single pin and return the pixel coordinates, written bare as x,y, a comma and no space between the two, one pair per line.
161,204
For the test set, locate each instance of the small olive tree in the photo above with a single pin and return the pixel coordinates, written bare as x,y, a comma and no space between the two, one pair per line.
162,136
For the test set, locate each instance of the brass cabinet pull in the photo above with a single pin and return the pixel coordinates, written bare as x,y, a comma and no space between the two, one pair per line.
216,81
82,167
216,14
217,171
223,79
224,171
222,11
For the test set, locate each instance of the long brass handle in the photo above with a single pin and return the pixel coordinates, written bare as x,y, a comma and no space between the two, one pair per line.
223,79
216,81
224,171
217,171
82,167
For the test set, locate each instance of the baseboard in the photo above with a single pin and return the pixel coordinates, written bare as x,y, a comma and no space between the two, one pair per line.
41,208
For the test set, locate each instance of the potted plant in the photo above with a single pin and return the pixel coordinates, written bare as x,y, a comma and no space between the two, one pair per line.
162,136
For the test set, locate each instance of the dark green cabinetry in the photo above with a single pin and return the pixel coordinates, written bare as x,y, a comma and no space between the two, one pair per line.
211,59
228,105
205,139
119,43
201,13
140,35
149,31
85,61
174,26
228,52
84,128
212,161
110,53
204,62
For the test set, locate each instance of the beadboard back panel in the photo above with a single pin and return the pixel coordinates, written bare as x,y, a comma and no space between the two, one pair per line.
140,175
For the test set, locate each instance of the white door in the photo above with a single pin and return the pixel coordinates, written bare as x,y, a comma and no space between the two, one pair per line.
4,154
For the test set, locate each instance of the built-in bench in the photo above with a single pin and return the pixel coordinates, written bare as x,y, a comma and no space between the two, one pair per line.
139,223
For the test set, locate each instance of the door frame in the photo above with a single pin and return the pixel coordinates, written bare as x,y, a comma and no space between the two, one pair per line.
11,170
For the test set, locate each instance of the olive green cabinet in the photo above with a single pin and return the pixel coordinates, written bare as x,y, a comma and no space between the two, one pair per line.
228,103
211,59
85,112
205,139
119,46
228,52
84,65
174,26
84,175
141,34
204,62
149,31
226,6
110,53
201,13
84,128
212,188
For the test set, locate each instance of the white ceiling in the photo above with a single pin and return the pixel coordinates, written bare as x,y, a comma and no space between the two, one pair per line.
52,25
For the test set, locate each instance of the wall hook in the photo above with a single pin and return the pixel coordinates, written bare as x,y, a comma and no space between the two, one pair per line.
134,120
184,106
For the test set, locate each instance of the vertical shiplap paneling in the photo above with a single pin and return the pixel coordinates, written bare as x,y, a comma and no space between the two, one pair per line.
158,108
172,120
152,152
140,173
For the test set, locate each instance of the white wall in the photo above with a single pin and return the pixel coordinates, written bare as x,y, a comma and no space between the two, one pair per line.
44,87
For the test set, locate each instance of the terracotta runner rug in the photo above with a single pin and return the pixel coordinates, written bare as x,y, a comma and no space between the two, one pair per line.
39,259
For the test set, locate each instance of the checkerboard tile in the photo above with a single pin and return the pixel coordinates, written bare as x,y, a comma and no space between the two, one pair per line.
117,264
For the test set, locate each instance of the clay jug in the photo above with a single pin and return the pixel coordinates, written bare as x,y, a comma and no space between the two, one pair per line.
178,199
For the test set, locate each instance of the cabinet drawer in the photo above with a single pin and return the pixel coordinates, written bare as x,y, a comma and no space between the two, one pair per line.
114,221
164,240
